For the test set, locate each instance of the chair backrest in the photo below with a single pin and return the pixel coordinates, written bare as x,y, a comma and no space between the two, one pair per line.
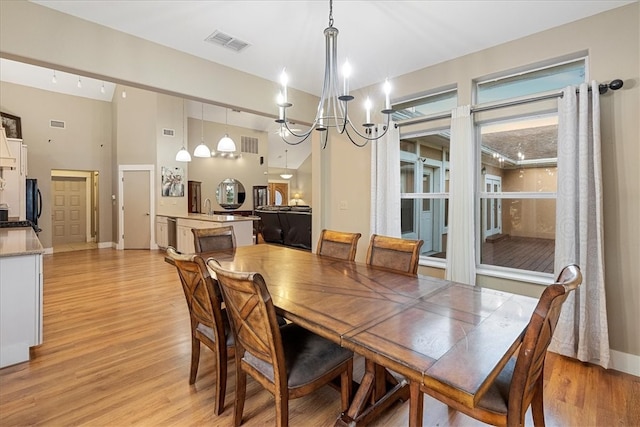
531,356
214,239
253,318
392,253
201,292
338,244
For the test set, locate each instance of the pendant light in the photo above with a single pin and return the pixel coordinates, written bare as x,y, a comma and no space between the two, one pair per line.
183,155
202,150
226,144
286,174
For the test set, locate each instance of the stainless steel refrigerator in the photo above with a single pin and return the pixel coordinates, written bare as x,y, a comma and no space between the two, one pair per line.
33,202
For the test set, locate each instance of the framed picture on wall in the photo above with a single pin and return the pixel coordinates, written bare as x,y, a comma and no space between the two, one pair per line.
11,125
172,182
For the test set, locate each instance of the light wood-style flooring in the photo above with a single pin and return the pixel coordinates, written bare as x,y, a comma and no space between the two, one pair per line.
117,349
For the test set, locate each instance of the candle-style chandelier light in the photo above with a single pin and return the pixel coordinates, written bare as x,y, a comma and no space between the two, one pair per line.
333,106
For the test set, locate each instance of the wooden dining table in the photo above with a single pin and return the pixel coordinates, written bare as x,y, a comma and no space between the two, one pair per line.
411,330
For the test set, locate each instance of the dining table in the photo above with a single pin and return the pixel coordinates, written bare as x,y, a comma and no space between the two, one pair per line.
412,331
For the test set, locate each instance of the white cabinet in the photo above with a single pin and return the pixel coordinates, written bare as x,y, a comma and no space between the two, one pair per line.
185,239
185,235
20,306
14,192
162,232
242,228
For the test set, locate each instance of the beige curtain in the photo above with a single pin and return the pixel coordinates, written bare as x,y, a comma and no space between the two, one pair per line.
385,183
461,261
582,330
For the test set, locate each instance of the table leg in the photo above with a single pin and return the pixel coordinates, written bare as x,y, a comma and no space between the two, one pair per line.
416,405
377,391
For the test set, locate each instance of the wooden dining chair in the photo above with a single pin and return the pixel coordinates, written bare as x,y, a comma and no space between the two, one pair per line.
213,239
209,322
288,361
392,253
519,384
338,244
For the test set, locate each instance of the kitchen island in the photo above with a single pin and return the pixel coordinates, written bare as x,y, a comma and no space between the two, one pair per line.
242,228
20,294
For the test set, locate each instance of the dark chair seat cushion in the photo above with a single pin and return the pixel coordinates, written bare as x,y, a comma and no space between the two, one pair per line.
496,399
205,330
307,356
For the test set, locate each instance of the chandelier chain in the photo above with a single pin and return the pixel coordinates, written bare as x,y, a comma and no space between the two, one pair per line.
331,13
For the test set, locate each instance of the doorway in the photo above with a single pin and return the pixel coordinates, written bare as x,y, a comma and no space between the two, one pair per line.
492,212
426,211
136,207
278,193
74,210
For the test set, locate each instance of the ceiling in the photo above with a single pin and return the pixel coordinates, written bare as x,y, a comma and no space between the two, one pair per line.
381,39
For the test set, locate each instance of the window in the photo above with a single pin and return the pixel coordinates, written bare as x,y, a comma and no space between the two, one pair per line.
424,106
424,180
518,193
544,79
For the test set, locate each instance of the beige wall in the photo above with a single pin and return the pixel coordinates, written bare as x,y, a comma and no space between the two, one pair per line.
211,171
84,145
41,36
170,115
341,172
529,217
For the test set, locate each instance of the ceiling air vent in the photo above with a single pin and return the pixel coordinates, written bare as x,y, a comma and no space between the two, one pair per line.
225,40
168,132
57,124
248,144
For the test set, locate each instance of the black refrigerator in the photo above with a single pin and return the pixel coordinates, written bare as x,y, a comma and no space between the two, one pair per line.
34,202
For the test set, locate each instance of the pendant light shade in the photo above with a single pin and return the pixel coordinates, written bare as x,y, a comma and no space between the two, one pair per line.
202,150
286,174
226,144
183,155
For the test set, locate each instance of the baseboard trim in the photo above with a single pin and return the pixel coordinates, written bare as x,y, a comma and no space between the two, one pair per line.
103,245
625,362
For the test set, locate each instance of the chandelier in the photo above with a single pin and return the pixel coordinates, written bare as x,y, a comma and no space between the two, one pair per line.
333,106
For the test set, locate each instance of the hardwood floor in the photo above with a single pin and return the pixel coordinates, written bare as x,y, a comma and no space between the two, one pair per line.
117,349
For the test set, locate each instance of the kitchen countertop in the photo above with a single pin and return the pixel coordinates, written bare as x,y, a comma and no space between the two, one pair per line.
19,241
213,218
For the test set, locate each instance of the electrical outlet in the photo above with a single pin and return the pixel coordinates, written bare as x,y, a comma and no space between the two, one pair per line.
343,205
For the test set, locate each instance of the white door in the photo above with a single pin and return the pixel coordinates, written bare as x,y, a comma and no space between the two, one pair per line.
492,213
136,209
408,207
426,211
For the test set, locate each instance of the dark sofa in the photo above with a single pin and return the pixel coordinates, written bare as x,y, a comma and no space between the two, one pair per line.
286,225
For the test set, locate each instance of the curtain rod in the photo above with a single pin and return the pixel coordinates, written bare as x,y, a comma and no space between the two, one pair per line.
602,88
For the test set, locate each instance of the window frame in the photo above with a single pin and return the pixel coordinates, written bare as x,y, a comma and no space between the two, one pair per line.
419,164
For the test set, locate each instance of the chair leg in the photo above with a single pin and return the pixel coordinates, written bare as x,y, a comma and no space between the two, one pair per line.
346,384
241,391
195,359
282,410
537,404
221,382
